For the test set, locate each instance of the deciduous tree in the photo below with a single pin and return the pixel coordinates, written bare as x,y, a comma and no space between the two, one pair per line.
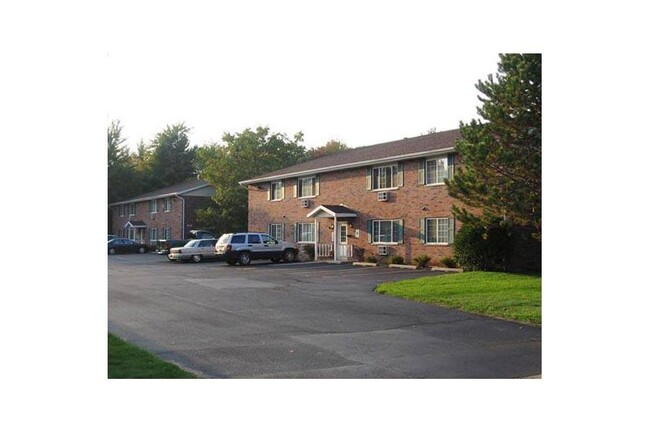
241,156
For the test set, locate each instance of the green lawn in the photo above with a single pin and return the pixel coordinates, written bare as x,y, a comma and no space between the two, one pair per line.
126,361
507,296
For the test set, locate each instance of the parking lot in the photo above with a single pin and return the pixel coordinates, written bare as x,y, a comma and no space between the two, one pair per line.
311,320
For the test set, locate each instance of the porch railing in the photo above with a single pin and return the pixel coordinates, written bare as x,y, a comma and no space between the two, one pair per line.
343,252
324,250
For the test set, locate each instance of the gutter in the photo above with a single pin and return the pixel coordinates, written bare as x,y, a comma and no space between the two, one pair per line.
348,166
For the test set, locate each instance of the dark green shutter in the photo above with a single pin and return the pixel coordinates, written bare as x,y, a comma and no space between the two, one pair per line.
317,185
451,230
369,229
422,230
400,232
421,168
450,166
400,174
369,179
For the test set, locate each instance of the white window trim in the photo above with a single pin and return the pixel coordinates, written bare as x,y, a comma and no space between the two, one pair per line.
300,232
445,157
129,210
313,186
426,231
281,189
372,177
274,236
391,232
155,206
165,201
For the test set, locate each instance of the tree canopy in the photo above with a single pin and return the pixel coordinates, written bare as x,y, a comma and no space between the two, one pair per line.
332,146
242,156
501,157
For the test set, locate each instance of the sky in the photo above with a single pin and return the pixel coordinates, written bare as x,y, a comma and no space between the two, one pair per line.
331,76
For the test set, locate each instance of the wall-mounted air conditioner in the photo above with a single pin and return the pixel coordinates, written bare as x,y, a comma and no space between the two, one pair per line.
304,203
382,196
382,250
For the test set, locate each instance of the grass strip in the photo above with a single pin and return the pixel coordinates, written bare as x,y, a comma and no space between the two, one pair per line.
126,361
507,296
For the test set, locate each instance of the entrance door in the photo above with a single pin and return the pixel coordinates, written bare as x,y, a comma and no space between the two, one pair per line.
342,241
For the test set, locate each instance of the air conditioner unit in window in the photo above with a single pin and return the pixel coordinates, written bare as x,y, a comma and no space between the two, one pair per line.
382,250
382,196
304,203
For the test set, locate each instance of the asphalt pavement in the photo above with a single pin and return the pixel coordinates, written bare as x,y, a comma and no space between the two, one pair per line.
305,320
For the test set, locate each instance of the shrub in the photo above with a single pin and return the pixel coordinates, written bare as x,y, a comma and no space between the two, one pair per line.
309,249
449,262
421,261
396,260
370,259
479,248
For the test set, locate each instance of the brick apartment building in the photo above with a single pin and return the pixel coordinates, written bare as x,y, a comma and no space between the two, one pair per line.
382,200
167,213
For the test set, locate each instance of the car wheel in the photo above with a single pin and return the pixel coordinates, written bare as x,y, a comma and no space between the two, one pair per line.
142,250
289,256
112,251
196,258
244,258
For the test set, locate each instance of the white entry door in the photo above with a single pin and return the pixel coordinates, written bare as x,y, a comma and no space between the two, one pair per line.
342,252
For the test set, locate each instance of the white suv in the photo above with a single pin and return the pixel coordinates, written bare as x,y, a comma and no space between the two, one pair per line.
243,247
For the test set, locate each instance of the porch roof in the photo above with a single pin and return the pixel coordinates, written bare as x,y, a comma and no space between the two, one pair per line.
136,224
332,211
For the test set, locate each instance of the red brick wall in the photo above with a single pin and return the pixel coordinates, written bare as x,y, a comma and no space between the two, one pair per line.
160,220
349,188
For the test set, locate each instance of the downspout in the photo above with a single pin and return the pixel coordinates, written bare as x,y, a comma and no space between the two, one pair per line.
182,217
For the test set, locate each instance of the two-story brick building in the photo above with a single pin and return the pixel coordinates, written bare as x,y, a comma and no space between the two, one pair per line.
167,213
383,200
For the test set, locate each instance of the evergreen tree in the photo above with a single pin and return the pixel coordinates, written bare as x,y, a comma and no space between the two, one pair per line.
501,157
120,170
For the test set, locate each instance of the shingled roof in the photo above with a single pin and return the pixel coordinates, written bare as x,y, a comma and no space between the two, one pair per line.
406,148
179,188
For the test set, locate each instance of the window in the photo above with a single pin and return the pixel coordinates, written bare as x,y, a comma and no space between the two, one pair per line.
266,239
122,208
167,204
438,230
131,209
153,206
276,191
306,187
438,169
167,233
238,239
277,231
305,232
386,231
254,239
385,177
153,234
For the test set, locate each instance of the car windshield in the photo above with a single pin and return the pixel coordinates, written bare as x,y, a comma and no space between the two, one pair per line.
192,243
